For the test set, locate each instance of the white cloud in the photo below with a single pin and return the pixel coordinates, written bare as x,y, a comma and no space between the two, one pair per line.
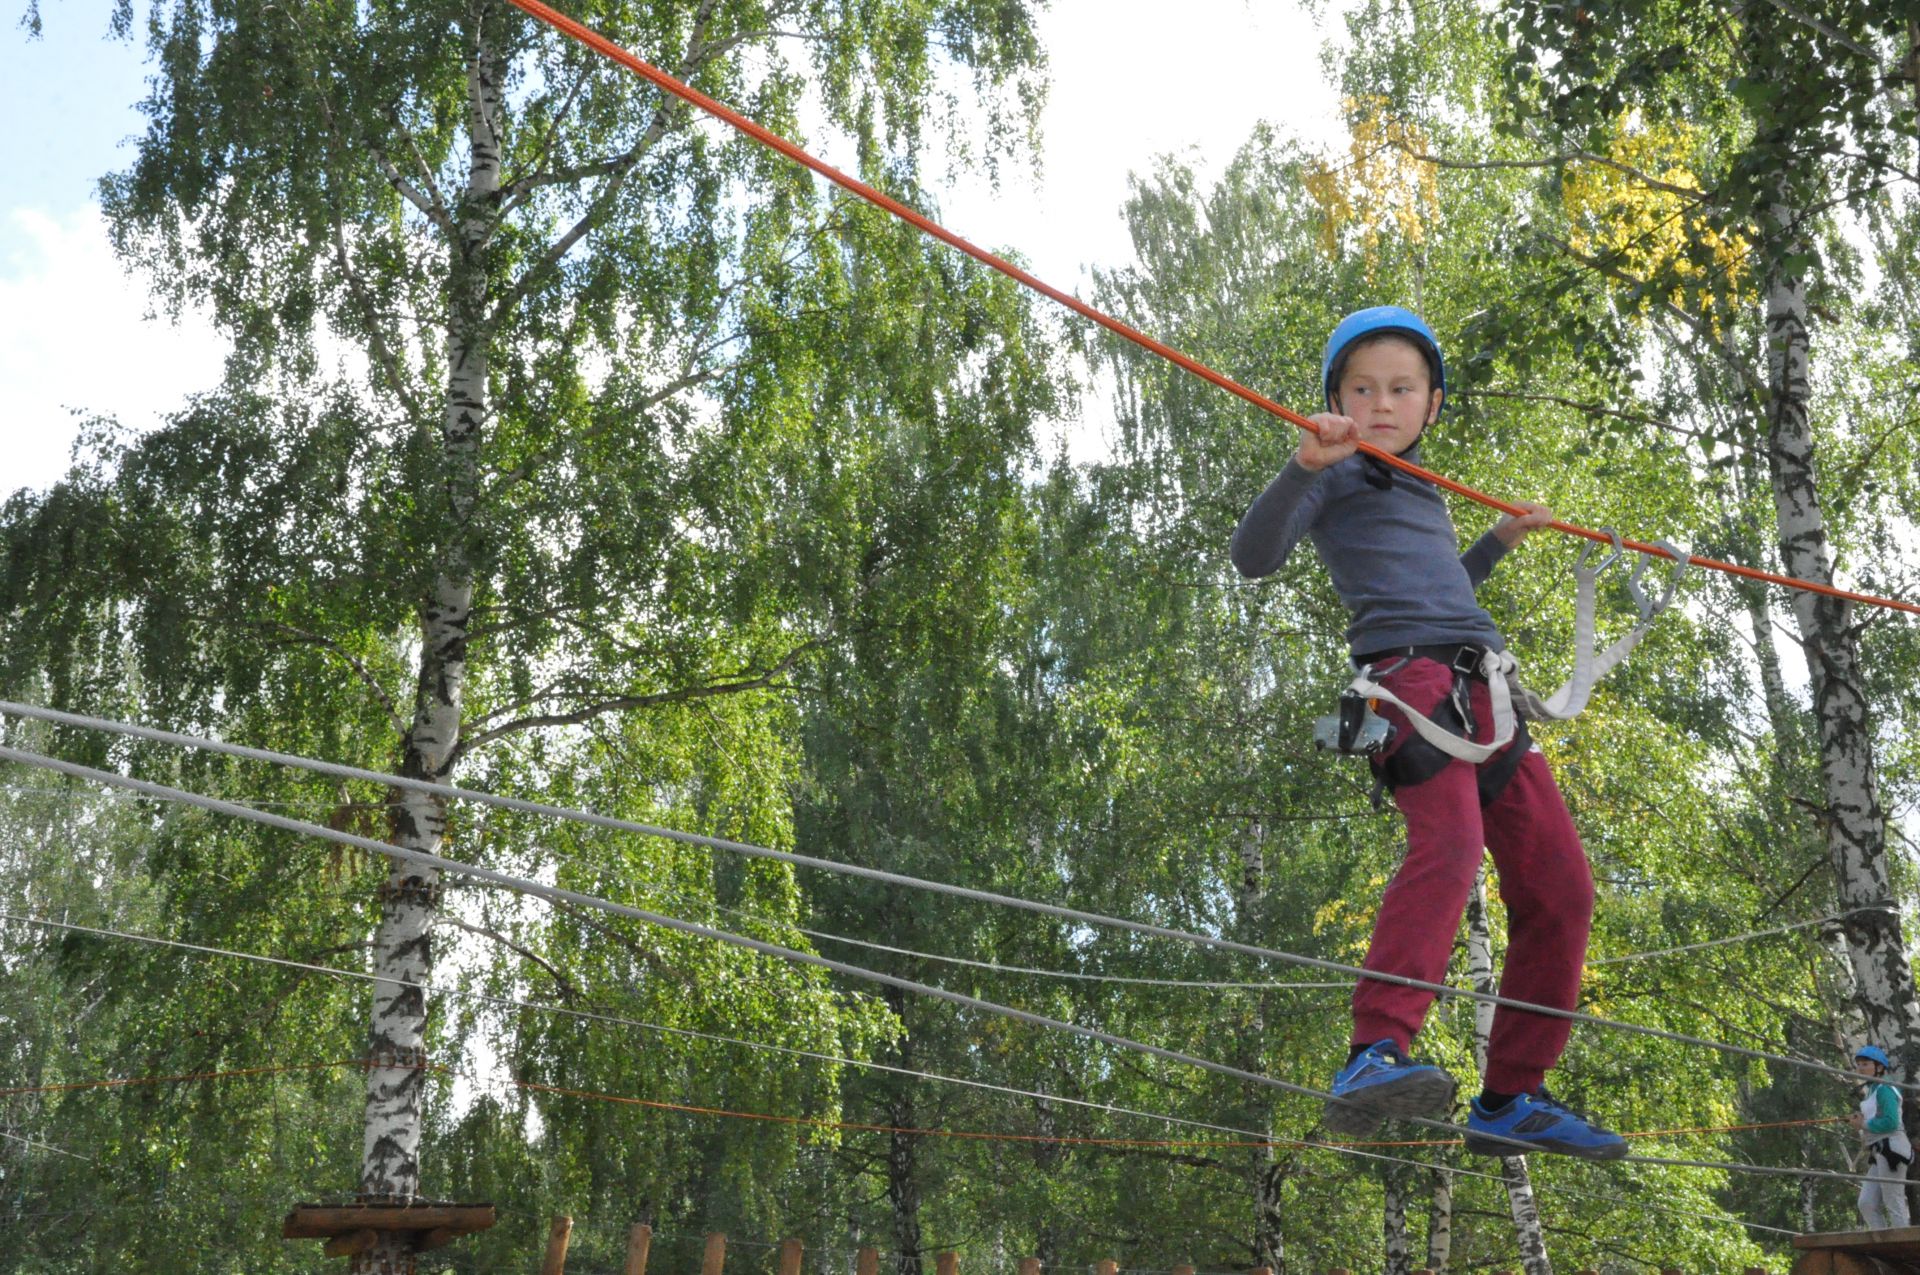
76,337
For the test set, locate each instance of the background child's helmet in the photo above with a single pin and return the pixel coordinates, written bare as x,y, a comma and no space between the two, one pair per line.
1374,321
1873,1053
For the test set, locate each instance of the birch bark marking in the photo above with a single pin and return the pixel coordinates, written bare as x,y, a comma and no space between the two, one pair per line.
1854,821
1267,1173
390,1161
1393,1220
1520,1202
1440,1223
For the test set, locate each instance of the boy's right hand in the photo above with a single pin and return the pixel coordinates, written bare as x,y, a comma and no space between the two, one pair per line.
1338,439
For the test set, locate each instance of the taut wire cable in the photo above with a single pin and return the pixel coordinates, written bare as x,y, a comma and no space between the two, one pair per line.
826,865
719,110
1248,1137
559,894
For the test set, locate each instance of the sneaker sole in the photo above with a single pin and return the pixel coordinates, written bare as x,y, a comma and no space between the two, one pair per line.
1425,1093
1480,1145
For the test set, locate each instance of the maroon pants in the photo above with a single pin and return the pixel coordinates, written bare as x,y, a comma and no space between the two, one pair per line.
1544,881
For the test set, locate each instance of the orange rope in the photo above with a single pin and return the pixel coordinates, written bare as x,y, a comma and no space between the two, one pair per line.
599,43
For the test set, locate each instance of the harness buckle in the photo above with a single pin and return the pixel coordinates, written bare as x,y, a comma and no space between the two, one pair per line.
1355,728
1467,661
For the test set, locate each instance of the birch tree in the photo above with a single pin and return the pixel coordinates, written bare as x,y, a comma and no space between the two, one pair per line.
561,358
1824,122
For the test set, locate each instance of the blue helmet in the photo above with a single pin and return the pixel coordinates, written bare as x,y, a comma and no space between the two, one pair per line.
1374,321
1873,1053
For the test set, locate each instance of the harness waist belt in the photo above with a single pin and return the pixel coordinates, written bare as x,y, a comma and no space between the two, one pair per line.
1462,657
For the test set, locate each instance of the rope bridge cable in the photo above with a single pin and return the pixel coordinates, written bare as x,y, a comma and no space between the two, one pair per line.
787,1050
845,869
1347,1148
1739,938
660,79
794,956
1073,975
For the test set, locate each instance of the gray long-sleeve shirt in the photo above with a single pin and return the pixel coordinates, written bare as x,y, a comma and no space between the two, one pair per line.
1393,554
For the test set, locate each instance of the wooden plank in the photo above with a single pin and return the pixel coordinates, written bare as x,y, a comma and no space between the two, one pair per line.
714,1260
1031,1266
868,1262
639,1245
790,1253
351,1244
321,1221
1182,1269
1107,1267
947,1263
558,1234
1858,1239
1899,1241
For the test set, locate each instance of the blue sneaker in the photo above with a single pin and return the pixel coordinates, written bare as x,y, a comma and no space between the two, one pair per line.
1539,1122
1382,1083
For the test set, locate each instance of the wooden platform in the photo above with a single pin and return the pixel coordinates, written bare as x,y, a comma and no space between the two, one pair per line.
1893,1252
349,1229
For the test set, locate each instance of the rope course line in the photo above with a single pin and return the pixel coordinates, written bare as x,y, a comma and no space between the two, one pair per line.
661,80
794,956
1073,975
1739,938
826,865
1357,1150
1038,972
441,989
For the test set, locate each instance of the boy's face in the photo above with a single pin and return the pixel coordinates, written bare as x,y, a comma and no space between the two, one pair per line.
1866,1067
1386,388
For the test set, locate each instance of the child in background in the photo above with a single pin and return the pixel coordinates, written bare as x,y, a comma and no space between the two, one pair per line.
1395,560
1883,1200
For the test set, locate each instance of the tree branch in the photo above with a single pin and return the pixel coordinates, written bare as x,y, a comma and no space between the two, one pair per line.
348,657
622,703
1555,161
1598,409
568,992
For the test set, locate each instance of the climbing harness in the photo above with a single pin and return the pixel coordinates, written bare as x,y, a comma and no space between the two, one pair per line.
1446,735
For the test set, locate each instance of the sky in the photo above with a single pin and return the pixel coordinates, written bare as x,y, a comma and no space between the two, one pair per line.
79,338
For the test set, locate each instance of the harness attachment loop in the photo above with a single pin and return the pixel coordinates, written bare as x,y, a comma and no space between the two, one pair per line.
1513,703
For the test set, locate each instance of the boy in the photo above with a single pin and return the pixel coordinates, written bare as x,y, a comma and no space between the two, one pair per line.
1394,558
1883,1200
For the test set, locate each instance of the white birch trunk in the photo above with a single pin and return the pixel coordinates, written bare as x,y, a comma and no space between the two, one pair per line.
1267,1177
1520,1201
1393,1221
390,1161
1440,1223
1854,822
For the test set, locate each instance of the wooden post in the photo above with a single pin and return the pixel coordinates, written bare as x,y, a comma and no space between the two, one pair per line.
557,1236
1031,1266
715,1258
1268,1270
790,1251
947,1263
1108,1267
868,1263
1182,1269
639,1245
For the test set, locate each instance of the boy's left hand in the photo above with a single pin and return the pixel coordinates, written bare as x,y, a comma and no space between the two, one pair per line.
1513,528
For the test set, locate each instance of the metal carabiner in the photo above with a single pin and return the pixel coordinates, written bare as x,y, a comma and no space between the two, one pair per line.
1587,549
1648,607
